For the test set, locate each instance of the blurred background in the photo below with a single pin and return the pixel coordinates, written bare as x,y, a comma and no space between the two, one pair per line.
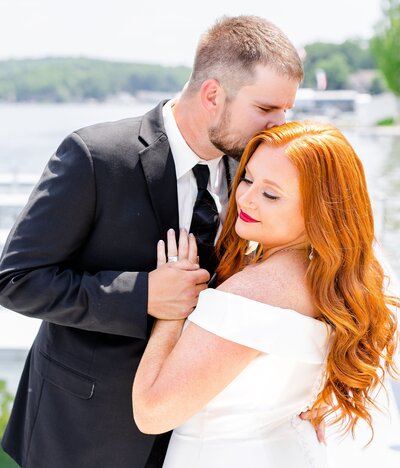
64,65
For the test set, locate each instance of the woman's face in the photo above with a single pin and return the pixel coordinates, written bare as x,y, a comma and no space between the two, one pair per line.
269,201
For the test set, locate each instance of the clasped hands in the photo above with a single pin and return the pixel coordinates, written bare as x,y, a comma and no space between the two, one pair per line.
174,287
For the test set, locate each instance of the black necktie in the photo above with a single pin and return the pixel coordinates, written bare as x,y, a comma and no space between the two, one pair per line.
205,220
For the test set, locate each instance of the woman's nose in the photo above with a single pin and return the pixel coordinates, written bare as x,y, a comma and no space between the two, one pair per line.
247,199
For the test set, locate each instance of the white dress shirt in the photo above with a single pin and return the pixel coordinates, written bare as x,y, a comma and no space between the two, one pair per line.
185,159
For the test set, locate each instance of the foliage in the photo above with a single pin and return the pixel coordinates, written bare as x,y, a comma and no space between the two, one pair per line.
336,69
378,84
338,61
5,404
69,79
6,461
385,45
385,122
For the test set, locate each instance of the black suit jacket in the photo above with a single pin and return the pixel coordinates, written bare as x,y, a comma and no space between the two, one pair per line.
78,258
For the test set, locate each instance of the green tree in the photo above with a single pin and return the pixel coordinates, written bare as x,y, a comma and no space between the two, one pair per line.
378,85
337,60
5,404
72,79
336,69
385,45
358,55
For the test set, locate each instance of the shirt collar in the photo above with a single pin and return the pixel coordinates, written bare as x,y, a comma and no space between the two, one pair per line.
184,157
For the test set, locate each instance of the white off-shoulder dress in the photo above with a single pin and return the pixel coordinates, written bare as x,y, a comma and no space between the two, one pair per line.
254,422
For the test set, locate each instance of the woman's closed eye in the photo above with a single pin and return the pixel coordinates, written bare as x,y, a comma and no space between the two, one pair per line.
246,180
269,196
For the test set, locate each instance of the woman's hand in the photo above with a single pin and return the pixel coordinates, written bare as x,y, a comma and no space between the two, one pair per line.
175,285
178,256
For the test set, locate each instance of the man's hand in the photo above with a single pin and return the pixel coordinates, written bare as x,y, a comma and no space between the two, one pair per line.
174,291
320,430
174,287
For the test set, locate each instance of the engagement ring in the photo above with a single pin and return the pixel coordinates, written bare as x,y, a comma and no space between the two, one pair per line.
173,259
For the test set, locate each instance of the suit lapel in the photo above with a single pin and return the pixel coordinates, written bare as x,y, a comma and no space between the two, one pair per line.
159,170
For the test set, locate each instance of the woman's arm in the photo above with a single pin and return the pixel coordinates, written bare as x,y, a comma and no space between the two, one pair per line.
179,374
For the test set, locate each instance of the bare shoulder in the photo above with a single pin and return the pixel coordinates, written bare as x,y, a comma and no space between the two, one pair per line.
279,281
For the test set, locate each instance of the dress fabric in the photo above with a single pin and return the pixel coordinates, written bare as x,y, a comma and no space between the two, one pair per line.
254,421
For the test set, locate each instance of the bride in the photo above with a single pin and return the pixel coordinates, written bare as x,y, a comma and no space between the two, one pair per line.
301,322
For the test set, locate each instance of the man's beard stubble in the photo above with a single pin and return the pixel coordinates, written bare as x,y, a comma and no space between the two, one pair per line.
221,139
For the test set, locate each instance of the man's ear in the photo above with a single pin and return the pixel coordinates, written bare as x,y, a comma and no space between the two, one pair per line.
212,95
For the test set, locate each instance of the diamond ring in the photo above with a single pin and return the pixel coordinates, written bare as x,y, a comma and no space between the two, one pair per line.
173,258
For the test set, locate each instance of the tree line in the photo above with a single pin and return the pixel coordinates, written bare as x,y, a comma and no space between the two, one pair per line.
80,79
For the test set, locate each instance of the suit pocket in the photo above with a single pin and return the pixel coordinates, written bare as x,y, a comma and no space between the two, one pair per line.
64,377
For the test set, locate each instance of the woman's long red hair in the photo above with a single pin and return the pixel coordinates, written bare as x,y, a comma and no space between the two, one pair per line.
346,281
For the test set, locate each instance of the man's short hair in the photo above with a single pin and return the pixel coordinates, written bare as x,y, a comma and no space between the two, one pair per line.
231,49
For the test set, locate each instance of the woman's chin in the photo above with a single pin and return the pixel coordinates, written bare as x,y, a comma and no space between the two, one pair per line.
243,234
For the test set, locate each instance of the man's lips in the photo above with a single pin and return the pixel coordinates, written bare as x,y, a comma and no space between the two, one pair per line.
246,218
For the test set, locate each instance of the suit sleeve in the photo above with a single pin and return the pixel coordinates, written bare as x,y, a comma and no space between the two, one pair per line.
34,277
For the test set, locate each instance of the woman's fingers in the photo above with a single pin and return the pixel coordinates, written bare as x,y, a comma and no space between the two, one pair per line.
161,258
192,256
187,249
172,249
183,249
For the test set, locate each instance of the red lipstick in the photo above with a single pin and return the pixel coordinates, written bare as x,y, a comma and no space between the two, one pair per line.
246,218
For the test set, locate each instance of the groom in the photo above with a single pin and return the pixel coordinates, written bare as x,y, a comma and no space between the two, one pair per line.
82,254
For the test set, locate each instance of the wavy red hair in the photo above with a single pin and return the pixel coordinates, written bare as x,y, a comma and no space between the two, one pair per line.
346,281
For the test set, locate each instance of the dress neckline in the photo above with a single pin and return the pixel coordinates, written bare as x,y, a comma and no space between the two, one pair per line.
298,314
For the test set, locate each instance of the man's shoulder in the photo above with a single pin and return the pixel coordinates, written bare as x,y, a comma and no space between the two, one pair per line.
109,130
116,133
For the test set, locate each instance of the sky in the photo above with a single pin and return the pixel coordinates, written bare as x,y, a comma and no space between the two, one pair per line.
165,31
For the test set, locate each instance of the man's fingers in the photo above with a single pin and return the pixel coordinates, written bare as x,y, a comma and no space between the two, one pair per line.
202,276
321,433
320,429
161,258
305,415
201,287
184,265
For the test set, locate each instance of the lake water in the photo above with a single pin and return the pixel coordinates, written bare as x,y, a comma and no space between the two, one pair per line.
30,133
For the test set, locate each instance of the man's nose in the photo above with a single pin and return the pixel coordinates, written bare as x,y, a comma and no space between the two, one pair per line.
277,118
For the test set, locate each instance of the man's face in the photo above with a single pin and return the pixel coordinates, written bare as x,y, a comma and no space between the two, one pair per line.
255,107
